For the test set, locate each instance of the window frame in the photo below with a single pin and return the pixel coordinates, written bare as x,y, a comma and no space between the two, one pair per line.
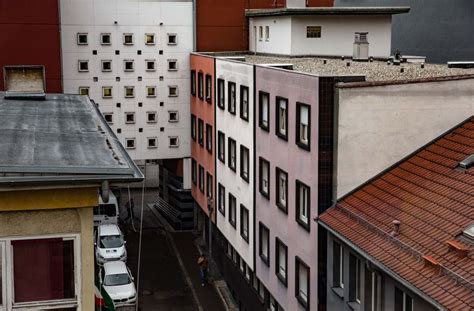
277,118
209,185
312,33
232,210
78,41
193,83
155,146
200,82
208,137
125,61
153,36
148,88
232,142
172,61
170,145
355,279
150,61
283,278
262,160
242,229
82,61
125,35
299,187
201,178
265,258
306,146
338,266
130,139
244,149
231,101
102,35
175,120
130,113
221,146
278,172
244,116
193,127
103,62
264,127
267,33
175,35
200,132
86,88
170,93
104,88
221,199
221,93
406,298
299,262
208,88
148,113
194,172
126,88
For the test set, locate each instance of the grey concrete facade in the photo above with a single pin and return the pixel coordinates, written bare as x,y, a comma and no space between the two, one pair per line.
438,29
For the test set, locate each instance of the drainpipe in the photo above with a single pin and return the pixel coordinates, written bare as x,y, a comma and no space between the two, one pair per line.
194,27
105,191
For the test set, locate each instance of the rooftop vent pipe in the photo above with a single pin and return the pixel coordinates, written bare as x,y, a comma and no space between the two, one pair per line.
467,163
396,228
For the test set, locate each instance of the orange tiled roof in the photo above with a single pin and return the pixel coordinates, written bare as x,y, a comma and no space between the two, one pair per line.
434,202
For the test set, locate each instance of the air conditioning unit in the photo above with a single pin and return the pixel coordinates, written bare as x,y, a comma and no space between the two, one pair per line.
361,47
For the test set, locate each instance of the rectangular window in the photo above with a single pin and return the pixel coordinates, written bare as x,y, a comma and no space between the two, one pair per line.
282,117
128,38
302,283
193,127
82,39
106,65
151,117
373,290
201,178
150,91
129,117
208,137
338,266
129,91
221,146
281,189
194,171
109,117
403,301
221,197
303,205
260,33
173,116
150,39
173,141
209,186
244,223
84,90
264,110
232,210
172,39
281,261
267,33
150,65
172,65
130,143
152,143
208,88
200,86
193,82
232,97
264,174
172,91
106,92
244,102
105,39
313,32
355,281
264,243
232,146
83,65
128,65
2,275
221,93
244,163
303,125
201,132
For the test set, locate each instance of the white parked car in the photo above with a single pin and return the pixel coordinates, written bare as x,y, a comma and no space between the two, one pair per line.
106,213
109,244
118,283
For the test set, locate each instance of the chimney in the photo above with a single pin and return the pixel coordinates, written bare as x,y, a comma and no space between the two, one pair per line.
396,228
24,82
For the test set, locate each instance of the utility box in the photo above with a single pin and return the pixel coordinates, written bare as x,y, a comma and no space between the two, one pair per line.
361,47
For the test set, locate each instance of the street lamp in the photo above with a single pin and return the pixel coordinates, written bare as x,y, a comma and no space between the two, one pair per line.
210,208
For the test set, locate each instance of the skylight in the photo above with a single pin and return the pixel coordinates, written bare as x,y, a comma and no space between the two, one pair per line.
469,232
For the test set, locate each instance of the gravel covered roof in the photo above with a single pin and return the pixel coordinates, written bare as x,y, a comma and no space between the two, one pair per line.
374,71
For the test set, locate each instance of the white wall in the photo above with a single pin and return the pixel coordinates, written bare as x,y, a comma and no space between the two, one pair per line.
137,17
288,35
242,132
378,126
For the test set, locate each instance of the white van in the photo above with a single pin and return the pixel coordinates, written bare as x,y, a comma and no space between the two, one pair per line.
106,213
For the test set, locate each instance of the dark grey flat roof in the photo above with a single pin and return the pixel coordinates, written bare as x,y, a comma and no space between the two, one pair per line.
62,138
328,11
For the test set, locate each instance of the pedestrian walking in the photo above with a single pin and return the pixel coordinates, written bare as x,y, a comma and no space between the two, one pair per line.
203,263
130,205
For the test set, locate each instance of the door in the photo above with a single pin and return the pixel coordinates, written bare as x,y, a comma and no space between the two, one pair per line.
3,280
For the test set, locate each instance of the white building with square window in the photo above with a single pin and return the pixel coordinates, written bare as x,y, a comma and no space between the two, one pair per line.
132,59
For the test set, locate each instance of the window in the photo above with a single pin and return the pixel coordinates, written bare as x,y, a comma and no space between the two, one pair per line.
221,197
108,116
84,90
129,91
403,301
232,210
302,283
244,102
232,154
244,223
221,93
264,174
338,266
355,280
105,39
150,91
150,65
281,189
267,33
264,243
152,143
201,132
303,205
106,65
209,186
263,110
106,92
281,261
193,127
208,137
83,65
232,99
82,39
174,141
173,116
172,91
194,171
172,65
313,32
373,290
193,82
221,146
282,118
172,39
260,33
151,117
200,86
208,88
128,65
244,163
128,38
129,117
2,274
150,39
130,143
303,125
201,178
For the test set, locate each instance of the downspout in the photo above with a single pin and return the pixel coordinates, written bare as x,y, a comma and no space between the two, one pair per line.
194,27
